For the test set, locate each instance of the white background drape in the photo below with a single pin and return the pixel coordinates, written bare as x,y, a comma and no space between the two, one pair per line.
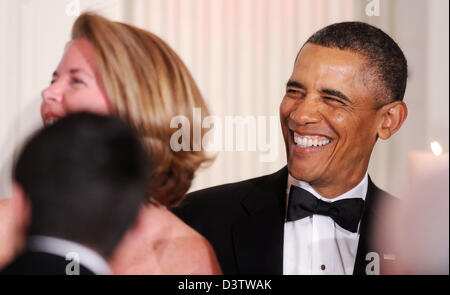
241,53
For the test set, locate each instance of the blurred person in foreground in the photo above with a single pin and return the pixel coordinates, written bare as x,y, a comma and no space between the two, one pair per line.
117,69
419,231
314,216
78,187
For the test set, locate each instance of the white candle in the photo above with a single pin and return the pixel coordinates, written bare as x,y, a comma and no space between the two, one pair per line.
422,164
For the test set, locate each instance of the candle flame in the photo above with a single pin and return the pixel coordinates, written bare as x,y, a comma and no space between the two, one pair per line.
436,148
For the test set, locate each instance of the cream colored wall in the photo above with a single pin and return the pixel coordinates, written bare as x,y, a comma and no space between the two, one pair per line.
421,28
241,53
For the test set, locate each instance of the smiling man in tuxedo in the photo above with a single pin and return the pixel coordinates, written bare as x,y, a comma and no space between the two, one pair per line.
314,216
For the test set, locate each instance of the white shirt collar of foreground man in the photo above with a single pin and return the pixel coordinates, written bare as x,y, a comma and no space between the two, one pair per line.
316,245
87,258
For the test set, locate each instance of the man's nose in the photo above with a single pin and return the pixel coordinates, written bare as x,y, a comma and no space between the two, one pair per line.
307,111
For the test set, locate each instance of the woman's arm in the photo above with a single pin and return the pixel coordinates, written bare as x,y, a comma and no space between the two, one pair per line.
6,232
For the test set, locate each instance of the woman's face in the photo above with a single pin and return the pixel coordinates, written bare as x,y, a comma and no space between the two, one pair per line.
76,85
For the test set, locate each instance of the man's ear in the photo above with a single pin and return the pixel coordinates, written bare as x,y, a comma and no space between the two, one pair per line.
21,209
392,117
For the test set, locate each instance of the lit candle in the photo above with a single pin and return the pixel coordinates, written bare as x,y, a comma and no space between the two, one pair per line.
423,164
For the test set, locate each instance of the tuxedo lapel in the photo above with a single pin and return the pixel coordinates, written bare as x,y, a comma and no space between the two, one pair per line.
360,262
258,238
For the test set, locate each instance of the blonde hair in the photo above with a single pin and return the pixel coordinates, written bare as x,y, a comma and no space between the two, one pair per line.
147,85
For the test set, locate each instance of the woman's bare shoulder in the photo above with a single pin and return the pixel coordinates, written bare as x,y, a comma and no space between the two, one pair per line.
184,248
168,246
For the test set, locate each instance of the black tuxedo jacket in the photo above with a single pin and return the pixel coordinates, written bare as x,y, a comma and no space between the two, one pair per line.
39,263
244,222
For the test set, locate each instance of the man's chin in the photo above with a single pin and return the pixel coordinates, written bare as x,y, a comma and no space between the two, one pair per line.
301,172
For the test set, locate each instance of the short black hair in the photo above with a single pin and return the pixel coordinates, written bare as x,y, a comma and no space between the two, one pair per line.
385,60
86,177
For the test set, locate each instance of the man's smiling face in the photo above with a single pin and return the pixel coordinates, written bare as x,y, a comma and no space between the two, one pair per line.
329,119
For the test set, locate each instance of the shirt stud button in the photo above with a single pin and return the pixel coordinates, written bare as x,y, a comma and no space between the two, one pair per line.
322,267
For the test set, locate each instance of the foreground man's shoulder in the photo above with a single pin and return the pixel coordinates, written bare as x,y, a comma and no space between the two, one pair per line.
238,189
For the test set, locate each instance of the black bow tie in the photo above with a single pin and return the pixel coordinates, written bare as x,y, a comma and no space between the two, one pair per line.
346,213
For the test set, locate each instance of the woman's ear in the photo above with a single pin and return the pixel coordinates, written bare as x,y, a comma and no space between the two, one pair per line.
392,117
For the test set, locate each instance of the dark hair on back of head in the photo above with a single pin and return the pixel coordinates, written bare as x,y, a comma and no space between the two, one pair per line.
86,177
386,67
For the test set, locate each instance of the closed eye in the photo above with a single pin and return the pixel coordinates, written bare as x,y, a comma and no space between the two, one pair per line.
333,99
54,79
55,76
77,81
294,91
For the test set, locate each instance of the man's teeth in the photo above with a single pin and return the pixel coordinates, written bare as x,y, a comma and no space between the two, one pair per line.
308,141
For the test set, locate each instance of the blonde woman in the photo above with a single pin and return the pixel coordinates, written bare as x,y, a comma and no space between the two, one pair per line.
118,69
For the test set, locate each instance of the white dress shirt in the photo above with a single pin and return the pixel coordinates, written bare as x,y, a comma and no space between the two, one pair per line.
316,245
87,258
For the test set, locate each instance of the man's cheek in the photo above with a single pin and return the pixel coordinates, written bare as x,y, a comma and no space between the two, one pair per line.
286,106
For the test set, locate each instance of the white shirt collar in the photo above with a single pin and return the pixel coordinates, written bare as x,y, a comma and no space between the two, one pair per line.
60,247
359,191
